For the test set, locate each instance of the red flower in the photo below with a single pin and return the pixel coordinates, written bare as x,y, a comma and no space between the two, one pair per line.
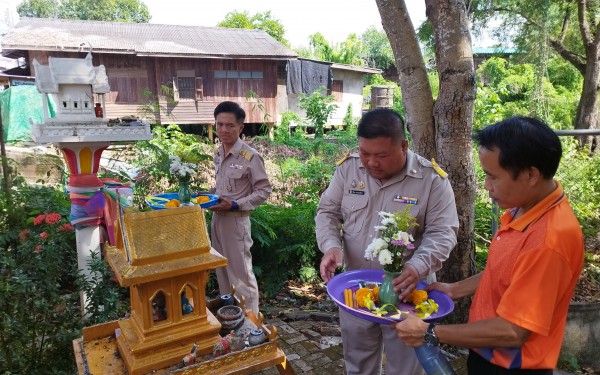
52,218
44,235
65,227
39,219
38,248
23,235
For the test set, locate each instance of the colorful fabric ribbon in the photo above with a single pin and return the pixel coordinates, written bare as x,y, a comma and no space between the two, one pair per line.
90,206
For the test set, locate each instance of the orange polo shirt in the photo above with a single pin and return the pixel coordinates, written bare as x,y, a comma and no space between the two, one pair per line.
533,266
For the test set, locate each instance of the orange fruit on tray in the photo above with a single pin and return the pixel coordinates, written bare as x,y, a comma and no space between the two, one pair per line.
172,203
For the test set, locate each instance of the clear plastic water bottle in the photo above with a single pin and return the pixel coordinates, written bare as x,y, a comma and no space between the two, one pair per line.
433,360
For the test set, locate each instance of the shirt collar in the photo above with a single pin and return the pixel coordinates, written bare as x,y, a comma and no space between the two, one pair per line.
235,150
534,213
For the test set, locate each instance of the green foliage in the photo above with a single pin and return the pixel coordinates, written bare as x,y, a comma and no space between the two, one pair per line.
288,119
290,244
348,119
134,11
377,51
347,52
39,310
38,8
152,158
105,299
504,90
578,173
261,21
318,108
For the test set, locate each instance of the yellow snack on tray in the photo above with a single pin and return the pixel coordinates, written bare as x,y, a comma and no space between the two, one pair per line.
202,199
417,297
172,203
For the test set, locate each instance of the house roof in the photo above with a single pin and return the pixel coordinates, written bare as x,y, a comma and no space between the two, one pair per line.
142,39
355,68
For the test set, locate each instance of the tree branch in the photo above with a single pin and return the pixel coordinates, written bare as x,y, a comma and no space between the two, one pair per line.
565,25
577,60
584,26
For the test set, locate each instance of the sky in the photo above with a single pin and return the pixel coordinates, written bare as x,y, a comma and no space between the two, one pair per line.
335,19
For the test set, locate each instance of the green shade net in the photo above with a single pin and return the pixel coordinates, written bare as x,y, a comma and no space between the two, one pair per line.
18,104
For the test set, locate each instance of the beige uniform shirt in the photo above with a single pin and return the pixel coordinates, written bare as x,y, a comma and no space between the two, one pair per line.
241,176
348,212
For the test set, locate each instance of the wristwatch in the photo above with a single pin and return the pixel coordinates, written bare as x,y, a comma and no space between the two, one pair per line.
430,338
234,206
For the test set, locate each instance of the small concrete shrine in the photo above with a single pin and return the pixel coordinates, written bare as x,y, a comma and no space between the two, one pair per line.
164,257
82,132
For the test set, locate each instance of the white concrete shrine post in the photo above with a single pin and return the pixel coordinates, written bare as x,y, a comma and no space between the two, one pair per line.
73,84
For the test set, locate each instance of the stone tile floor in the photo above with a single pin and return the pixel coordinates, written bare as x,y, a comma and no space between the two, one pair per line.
312,343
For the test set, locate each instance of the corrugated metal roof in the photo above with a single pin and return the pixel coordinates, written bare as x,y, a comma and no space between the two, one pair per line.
143,39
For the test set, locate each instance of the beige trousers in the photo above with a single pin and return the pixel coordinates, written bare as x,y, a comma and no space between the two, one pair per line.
364,343
230,236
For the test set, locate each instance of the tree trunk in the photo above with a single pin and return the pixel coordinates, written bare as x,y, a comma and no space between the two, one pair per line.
587,109
441,129
416,92
453,113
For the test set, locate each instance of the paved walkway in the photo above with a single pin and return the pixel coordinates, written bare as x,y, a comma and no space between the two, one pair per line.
312,343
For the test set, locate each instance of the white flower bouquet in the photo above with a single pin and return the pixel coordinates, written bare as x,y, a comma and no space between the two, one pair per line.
183,171
393,240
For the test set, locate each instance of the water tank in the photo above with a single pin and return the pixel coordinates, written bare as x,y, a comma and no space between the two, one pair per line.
382,96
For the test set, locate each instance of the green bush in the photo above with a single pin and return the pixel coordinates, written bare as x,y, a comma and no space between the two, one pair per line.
39,300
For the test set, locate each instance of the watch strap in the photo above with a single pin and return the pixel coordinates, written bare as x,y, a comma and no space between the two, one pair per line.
430,336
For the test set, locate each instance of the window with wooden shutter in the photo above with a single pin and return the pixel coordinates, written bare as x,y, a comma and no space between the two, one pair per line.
199,89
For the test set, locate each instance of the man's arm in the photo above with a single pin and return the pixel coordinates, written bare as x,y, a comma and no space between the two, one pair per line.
261,187
494,332
441,226
328,221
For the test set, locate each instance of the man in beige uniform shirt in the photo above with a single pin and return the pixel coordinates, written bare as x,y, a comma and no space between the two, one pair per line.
383,176
241,184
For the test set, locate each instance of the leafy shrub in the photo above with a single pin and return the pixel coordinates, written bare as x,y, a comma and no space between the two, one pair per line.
39,303
152,158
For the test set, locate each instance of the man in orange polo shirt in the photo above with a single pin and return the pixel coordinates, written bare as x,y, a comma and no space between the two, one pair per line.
518,315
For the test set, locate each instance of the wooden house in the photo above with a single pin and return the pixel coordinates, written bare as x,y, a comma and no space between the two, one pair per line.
198,66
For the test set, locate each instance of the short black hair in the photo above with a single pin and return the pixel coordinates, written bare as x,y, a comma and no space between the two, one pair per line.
231,107
524,142
381,122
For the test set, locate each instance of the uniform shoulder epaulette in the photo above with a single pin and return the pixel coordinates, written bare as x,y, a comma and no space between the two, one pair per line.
246,154
438,169
346,156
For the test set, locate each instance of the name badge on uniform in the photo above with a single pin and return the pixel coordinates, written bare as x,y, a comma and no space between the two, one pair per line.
236,166
357,192
407,200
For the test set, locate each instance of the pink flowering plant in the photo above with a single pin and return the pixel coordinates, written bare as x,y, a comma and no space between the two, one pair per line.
393,240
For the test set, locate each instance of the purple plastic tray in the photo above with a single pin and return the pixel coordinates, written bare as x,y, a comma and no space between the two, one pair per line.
350,280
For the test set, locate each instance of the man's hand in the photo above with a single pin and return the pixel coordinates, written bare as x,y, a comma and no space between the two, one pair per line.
442,287
411,331
332,259
406,282
223,205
